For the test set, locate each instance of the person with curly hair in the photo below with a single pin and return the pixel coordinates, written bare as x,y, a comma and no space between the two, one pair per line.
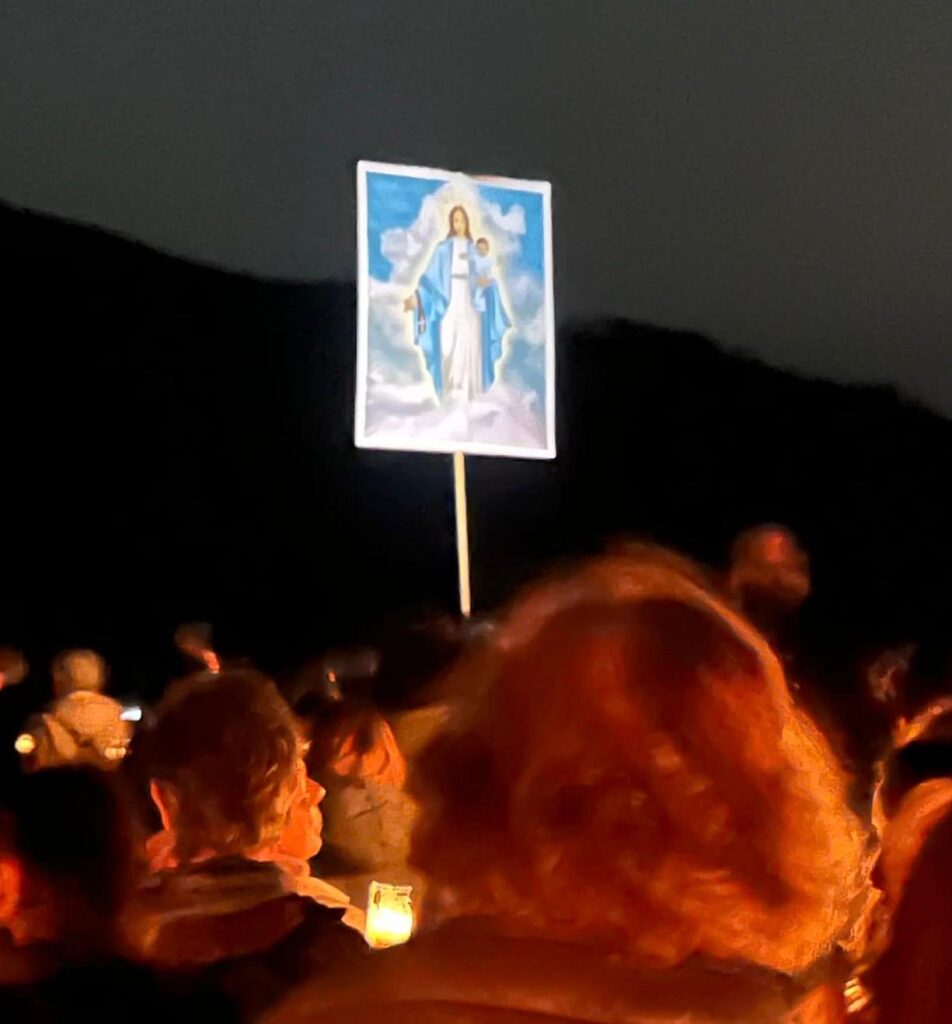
630,821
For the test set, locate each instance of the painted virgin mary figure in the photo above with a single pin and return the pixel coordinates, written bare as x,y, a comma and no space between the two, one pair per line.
459,317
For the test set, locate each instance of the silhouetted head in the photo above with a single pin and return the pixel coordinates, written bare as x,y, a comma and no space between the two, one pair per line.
353,739
767,562
13,667
78,670
66,858
194,641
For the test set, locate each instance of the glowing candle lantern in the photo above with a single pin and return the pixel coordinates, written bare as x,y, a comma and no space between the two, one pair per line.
25,744
389,915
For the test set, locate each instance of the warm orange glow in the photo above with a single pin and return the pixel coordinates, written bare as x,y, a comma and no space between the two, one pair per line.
24,744
918,814
383,763
856,995
389,915
907,731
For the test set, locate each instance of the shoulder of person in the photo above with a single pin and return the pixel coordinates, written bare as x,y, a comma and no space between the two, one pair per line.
320,944
327,925
297,879
462,978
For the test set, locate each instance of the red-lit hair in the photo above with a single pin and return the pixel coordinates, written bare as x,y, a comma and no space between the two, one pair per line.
634,774
353,739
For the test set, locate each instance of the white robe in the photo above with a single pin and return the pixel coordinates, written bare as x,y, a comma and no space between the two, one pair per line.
461,332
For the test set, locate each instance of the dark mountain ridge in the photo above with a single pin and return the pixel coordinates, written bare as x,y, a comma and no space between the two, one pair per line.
179,445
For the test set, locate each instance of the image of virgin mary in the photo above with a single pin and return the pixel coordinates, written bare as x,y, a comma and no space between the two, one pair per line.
459,317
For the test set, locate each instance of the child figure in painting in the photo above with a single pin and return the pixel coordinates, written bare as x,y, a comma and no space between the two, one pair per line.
488,303
483,272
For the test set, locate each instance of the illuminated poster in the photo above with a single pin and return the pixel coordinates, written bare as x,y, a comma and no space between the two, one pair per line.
456,333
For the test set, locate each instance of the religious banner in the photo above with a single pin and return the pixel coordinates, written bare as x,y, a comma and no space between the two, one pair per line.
456,329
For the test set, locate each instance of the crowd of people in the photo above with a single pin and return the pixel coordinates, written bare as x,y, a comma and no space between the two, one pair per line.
618,805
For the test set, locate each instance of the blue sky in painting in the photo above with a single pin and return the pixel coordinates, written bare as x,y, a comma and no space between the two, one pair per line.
393,201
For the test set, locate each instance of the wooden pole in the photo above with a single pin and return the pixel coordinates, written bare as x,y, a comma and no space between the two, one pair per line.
462,532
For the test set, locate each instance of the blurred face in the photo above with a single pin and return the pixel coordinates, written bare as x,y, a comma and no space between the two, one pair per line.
482,248
459,222
301,836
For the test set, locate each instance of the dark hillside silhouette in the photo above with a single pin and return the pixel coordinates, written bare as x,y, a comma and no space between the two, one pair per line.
178,445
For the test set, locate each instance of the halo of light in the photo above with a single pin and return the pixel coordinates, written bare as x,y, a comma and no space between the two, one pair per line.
24,744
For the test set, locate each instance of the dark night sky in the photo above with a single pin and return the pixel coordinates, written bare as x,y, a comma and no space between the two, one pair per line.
777,175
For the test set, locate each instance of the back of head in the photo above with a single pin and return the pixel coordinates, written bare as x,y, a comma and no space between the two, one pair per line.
224,753
70,834
913,979
13,667
636,775
352,739
78,670
768,564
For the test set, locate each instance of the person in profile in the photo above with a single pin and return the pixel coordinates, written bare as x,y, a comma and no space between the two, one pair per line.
460,341
231,897
368,816
631,820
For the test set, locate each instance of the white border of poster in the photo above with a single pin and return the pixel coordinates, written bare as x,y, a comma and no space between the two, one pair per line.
405,218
